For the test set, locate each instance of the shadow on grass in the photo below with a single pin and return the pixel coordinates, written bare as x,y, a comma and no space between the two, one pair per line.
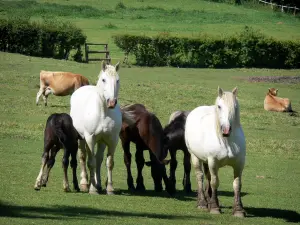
287,215
59,106
63,212
179,195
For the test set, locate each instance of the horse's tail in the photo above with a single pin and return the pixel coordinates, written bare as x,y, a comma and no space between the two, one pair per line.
128,116
66,133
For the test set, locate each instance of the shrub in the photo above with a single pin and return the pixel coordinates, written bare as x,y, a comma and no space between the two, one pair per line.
246,49
49,39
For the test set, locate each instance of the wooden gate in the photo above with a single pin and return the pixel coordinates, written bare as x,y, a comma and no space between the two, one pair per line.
88,52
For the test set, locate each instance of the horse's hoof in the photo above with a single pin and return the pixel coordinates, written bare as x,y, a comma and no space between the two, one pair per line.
84,188
131,189
37,188
67,189
188,189
93,192
140,188
159,189
215,211
110,192
240,214
202,207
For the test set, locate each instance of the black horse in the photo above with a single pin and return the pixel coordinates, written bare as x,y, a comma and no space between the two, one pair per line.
174,140
59,133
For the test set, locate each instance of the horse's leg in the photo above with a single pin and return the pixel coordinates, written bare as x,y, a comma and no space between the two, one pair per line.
45,95
173,166
65,165
156,172
187,171
140,162
74,168
50,164
208,179
238,209
90,140
99,159
38,95
127,162
82,159
201,201
45,157
214,183
110,166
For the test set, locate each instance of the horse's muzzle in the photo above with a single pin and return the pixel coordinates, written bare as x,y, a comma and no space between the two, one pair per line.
226,131
111,103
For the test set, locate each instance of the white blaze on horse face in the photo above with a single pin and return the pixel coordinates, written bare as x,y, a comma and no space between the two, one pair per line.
223,114
109,82
226,107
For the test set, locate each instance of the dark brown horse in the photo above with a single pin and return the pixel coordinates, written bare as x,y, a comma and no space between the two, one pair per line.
59,133
174,140
147,134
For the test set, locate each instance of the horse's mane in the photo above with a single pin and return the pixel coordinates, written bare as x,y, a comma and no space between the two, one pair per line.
234,110
111,70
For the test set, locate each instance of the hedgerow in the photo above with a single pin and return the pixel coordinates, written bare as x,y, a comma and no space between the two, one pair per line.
49,39
246,49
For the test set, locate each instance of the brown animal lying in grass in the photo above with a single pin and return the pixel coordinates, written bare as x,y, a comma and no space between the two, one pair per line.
277,104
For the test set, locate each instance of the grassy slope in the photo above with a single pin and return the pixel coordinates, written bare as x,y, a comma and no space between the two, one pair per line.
101,19
272,139
271,177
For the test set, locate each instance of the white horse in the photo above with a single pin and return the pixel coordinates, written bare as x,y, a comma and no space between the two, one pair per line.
97,118
215,138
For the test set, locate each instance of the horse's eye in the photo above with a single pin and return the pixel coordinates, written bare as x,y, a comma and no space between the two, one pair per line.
219,107
117,81
103,80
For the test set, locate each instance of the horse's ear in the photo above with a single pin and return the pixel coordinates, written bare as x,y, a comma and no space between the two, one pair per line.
117,66
220,91
104,64
234,91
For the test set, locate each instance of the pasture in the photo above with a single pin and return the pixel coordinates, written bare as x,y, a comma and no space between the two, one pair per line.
99,20
271,177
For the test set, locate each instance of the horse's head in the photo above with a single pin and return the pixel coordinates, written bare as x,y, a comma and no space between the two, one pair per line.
273,91
227,110
109,83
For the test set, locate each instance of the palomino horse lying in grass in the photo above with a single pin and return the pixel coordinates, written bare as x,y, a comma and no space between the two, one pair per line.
97,118
59,84
277,104
59,133
214,137
174,140
147,134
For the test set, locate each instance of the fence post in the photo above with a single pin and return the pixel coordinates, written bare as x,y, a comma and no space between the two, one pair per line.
86,53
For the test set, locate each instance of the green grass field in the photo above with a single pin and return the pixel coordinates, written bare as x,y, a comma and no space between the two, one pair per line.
272,174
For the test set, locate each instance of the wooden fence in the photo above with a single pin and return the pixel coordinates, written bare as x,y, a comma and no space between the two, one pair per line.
280,6
88,52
